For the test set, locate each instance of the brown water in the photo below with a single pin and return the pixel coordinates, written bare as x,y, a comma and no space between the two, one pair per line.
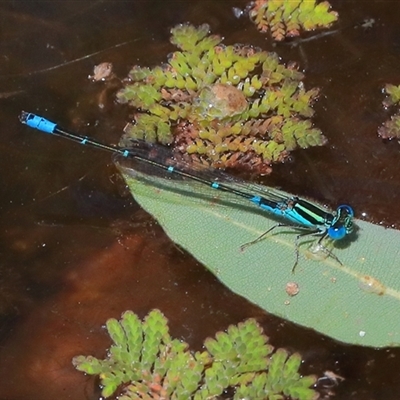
75,250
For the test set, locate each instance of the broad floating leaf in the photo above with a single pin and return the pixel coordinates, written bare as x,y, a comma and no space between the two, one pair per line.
357,302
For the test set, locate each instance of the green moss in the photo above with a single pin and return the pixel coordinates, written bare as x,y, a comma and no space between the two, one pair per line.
284,18
231,106
144,362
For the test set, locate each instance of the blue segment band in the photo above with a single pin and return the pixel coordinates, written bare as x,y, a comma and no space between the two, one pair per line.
256,200
40,123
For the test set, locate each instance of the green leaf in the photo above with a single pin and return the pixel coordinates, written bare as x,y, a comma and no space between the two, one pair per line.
357,302
90,365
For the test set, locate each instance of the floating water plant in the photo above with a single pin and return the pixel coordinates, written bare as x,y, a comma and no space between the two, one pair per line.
226,106
146,363
391,128
286,18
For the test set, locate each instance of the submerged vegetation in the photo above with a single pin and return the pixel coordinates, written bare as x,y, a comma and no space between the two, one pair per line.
226,106
391,128
146,363
287,18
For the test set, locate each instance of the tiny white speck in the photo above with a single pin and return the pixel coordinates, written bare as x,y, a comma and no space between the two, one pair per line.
362,333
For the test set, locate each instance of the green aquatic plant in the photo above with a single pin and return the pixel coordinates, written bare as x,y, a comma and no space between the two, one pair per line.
393,95
146,363
226,106
390,129
286,18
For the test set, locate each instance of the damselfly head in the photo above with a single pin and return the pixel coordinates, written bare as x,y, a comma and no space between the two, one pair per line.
342,224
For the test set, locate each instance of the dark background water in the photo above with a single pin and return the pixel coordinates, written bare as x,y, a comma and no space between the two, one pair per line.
76,250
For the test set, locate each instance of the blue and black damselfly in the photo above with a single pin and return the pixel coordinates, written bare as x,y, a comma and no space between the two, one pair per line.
294,212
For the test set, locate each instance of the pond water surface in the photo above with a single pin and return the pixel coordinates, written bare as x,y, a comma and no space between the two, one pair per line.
75,248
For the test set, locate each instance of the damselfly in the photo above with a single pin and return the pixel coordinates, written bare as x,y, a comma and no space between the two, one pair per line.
292,210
